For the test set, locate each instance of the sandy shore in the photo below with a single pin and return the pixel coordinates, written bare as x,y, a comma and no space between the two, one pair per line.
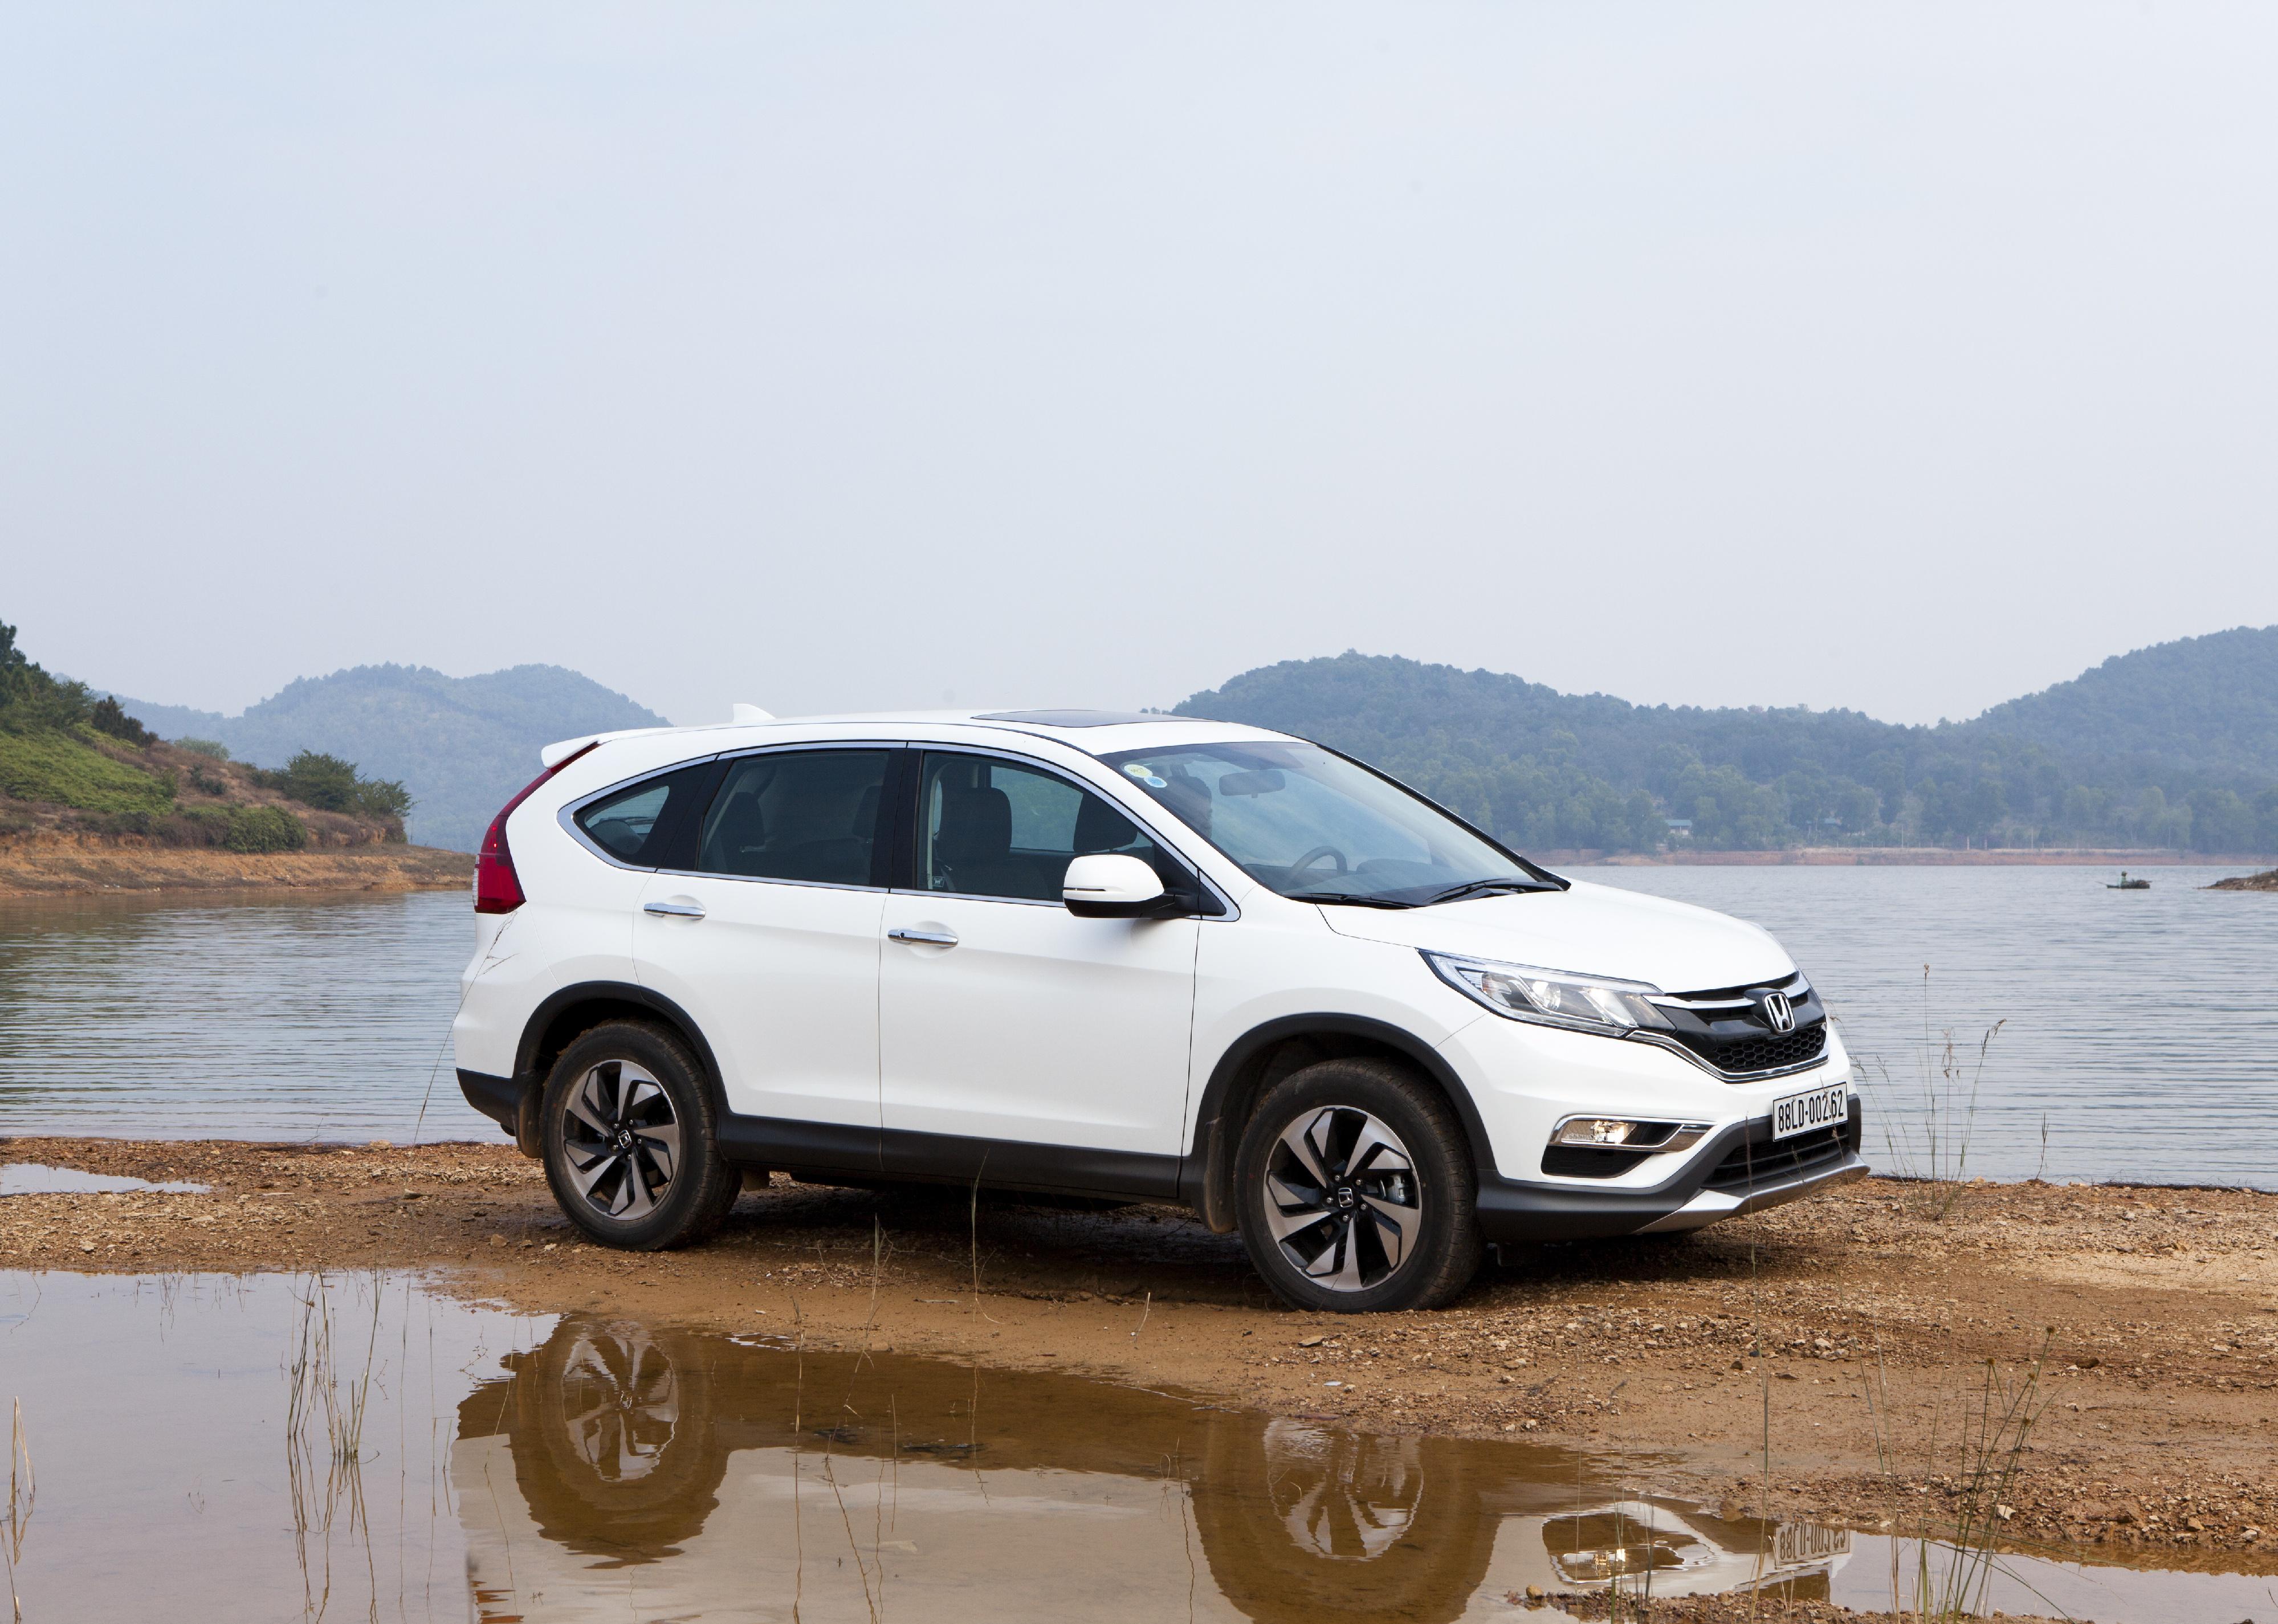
48,865
1847,1335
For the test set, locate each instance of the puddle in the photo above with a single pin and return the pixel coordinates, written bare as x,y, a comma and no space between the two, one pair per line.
37,1179
503,1467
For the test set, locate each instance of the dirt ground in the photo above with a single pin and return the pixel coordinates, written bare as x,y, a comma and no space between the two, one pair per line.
47,863
1735,1607
1850,1336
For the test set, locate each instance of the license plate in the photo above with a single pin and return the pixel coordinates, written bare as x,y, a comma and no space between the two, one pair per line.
1794,1543
1801,1113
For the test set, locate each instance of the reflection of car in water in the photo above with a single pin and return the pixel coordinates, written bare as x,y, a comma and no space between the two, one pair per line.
612,1438
684,1473
1680,1551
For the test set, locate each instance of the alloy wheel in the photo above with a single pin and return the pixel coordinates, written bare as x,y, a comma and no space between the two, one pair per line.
1343,1198
621,1140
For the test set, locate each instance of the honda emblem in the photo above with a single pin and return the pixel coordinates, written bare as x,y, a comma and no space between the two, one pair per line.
1779,1014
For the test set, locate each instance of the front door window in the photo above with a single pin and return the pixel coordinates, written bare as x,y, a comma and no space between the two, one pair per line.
1010,1030
990,827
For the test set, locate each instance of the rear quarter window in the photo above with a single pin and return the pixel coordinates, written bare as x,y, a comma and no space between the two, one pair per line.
650,824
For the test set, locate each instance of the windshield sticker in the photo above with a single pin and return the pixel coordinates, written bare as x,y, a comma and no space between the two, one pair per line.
1145,774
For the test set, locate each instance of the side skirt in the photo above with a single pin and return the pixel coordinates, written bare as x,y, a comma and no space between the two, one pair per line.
828,1150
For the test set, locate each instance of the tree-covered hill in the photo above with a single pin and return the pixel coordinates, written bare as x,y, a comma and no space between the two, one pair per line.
460,745
1548,770
2202,704
75,764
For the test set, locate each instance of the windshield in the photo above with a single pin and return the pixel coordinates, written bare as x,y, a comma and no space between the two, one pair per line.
1311,825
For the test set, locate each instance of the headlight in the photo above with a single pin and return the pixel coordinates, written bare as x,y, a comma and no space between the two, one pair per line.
1552,998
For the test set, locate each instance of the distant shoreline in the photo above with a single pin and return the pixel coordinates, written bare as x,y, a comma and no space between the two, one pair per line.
1906,856
80,866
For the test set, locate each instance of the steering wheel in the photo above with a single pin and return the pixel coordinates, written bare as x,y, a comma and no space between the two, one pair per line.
1315,856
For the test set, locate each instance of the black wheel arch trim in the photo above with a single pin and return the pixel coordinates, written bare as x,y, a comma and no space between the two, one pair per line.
640,1000
498,1098
1206,1173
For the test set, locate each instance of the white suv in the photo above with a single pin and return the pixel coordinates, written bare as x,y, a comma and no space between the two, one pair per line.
1133,956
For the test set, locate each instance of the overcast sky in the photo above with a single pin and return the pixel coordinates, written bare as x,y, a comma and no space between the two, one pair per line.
1904,357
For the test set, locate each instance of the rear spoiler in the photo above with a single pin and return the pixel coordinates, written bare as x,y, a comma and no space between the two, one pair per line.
562,750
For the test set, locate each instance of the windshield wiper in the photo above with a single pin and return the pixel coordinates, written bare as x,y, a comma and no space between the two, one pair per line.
1481,887
1351,899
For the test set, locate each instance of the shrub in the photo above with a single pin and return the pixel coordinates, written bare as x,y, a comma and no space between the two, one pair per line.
207,783
264,828
30,699
384,798
326,782
109,716
330,784
214,748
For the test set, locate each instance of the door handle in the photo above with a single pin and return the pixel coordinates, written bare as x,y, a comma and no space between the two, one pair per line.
677,910
924,938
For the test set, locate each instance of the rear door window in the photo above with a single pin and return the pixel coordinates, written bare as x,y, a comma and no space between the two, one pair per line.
810,815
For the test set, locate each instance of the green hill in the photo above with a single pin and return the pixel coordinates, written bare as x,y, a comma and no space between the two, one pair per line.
75,764
2206,704
461,746
2171,746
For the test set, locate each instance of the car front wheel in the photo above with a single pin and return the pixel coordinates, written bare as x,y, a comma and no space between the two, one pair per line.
1355,1190
626,1127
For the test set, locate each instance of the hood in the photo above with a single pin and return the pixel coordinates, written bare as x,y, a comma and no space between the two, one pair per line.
1594,929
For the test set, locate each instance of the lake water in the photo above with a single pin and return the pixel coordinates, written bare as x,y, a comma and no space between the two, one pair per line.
364,1447
292,1019
2140,1030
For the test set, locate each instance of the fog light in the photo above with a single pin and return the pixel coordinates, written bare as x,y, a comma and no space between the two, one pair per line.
1596,1131
1608,1132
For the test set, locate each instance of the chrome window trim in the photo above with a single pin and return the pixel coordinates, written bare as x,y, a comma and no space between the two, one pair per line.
812,885
1059,771
980,897
567,817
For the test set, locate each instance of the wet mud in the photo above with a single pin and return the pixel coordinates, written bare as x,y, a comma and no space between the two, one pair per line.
1843,1336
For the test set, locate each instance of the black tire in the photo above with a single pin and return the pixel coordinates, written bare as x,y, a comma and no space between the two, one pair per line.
1395,1179
634,1166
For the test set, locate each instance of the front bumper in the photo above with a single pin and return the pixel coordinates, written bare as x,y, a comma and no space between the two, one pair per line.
1739,1169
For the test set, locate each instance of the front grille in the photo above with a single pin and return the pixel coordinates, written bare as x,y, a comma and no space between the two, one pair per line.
1753,1166
1799,1048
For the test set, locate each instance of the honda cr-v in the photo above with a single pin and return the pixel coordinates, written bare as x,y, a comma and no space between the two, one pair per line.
1139,958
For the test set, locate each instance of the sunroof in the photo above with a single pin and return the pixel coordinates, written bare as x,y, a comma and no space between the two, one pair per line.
1077,719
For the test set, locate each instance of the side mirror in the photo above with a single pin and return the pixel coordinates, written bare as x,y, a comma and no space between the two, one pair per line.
1110,886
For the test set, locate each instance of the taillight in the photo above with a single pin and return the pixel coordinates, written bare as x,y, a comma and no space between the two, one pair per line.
498,889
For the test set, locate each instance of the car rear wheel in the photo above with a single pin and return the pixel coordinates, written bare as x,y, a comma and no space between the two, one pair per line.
1355,1190
626,1126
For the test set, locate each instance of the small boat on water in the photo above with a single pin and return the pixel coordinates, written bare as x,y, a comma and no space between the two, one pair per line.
2126,884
